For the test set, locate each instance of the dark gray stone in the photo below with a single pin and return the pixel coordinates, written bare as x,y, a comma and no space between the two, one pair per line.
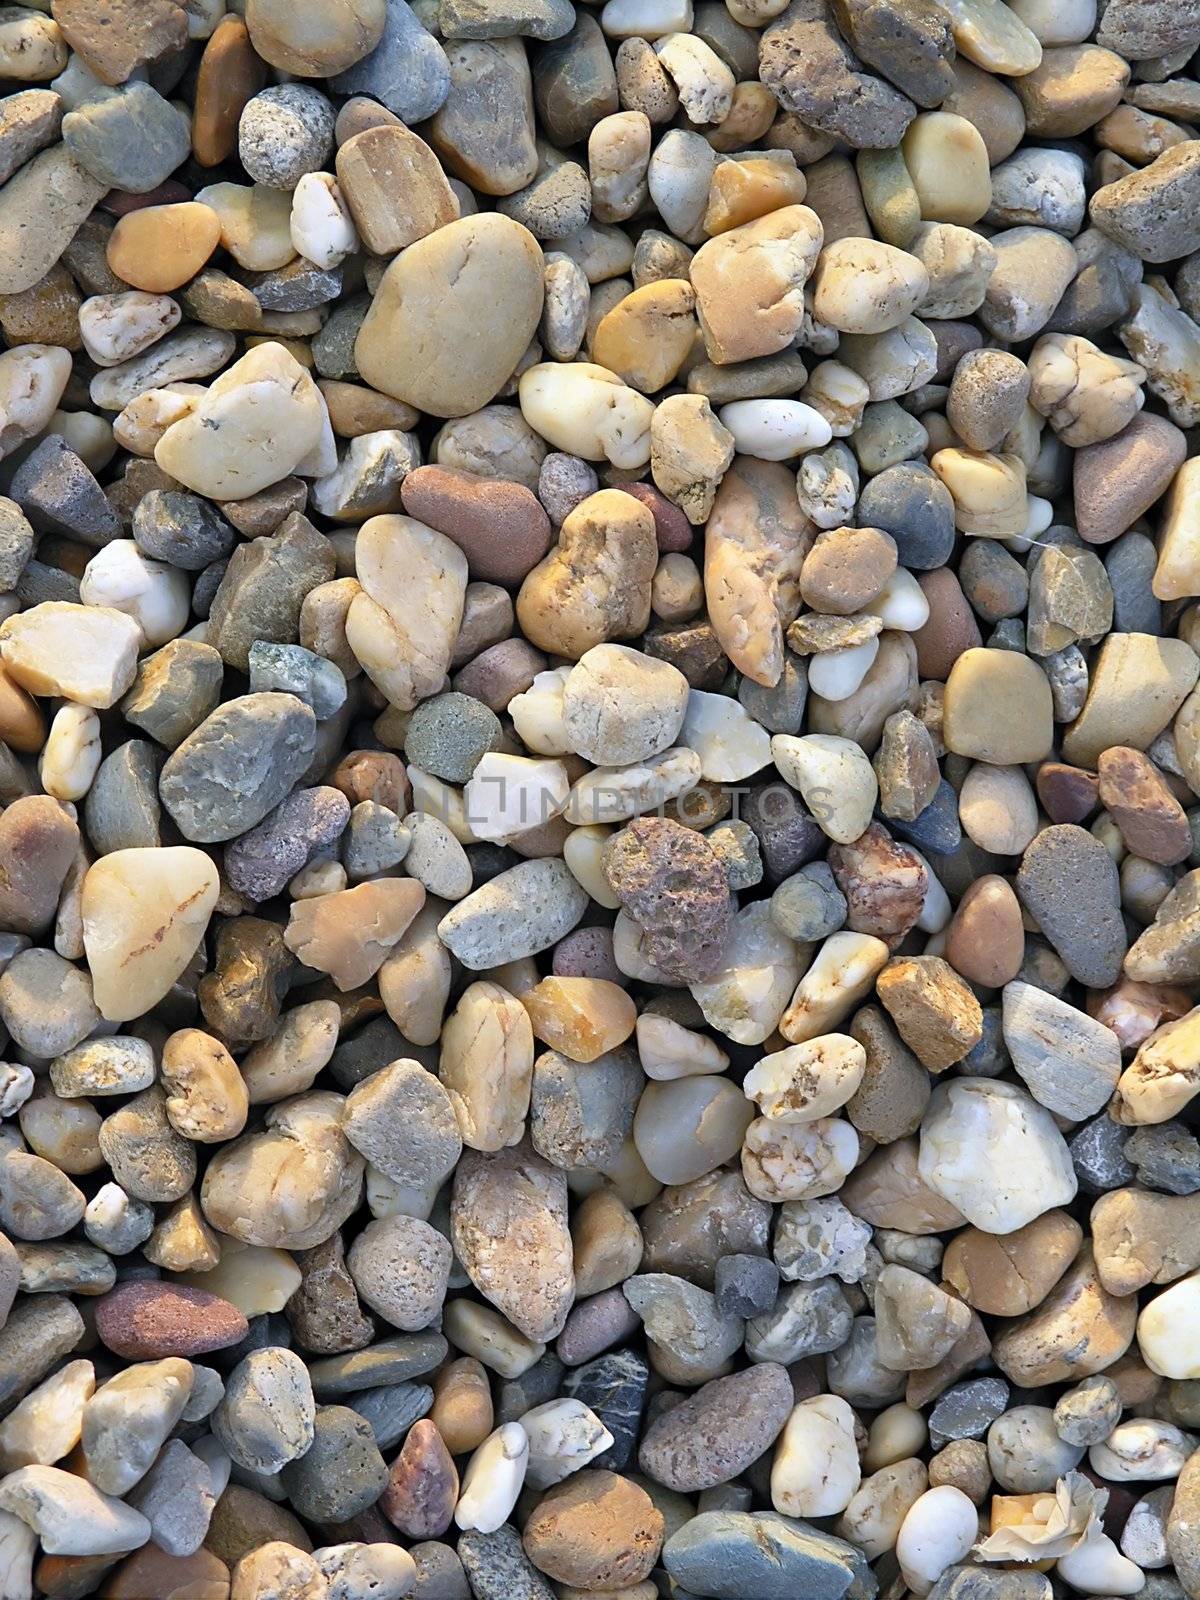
614,1387
1069,883
967,1410
175,689
300,286
392,1410
937,828
539,1383
497,1567
1130,562
1165,1156
59,494
264,587
916,508
342,1472
182,529
440,1574
122,809
1098,1154
746,1286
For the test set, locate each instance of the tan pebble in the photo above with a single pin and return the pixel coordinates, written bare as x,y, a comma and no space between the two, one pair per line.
1138,683
742,191
749,283
997,809
230,74
474,286
462,1405
998,708
948,163
349,935
1078,1329
158,248
846,569
1072,88
1010,1274
582,1018
863,286
207,1098
607,1243
486,1065
317,43
395,188
935,1012
985,941
145,912
648,336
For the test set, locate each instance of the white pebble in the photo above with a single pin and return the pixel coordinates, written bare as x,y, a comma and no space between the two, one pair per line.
508,795
116,327
730,744
321,226
1097,1567
155,595
564,1435
836,674
493,1479
939,1530
815,1471
71,753
1168,1330
775,430
901,603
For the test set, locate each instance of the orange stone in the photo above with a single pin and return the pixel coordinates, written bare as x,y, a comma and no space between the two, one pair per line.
22,726
230,74
161,247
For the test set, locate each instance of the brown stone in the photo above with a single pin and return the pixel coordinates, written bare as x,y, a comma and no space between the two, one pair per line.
671,882
229,76
891,1099
324,1313
423,1485
160,247
889,1192
1152,822
244,1519
499,526
143,1321
462,1405
151,1571
935,1012
38,844
985,941
1008,1275
1069,794
951,628
595,1531
1140,1237
115,37
47,313
395,188
350,934
846,568
1119,479
1078,1329
884,884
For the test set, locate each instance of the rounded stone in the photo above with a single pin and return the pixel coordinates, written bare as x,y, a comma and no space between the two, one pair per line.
474,287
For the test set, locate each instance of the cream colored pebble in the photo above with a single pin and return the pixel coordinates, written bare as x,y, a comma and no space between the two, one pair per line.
71,754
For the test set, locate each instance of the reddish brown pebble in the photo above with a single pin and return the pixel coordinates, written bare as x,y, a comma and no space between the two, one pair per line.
373,775
951,627
595,1531
152,1572
144,1321
1152,822
672,530
500,527
1069,794
423,1485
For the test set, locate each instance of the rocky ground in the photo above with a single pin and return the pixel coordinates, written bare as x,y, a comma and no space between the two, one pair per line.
599,800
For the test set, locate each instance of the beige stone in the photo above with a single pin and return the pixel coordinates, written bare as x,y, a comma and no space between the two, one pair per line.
403,626
1008,1275
255,424
487,1066
256,224
207,1099
595,583
145,912
750,281
395,188
998,708
349,934
1138,683
690,452
744,190
947,161
648,336
87,654
1078,1329
474,288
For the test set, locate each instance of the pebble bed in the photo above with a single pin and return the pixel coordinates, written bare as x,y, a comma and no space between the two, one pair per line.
599,800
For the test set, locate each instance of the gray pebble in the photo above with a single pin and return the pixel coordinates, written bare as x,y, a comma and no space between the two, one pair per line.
809,905
1130,562
581,1113
541,1382
402,1120
237,765
401,1266
1069,882
1166,1156
59,494
267,1416
261,862
1089,1412
375,841
37,1334
405,1355
16,543
285,132
290,669
260,596
407,69
497,1567
594,1325
392,1409
440,1574
1025,1452
449,735
780,709
911,504
341,1474
129,138
182,529
333,347
46,1004
746,1286
807,1319
967,1410
122,809
763,1554
175,689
